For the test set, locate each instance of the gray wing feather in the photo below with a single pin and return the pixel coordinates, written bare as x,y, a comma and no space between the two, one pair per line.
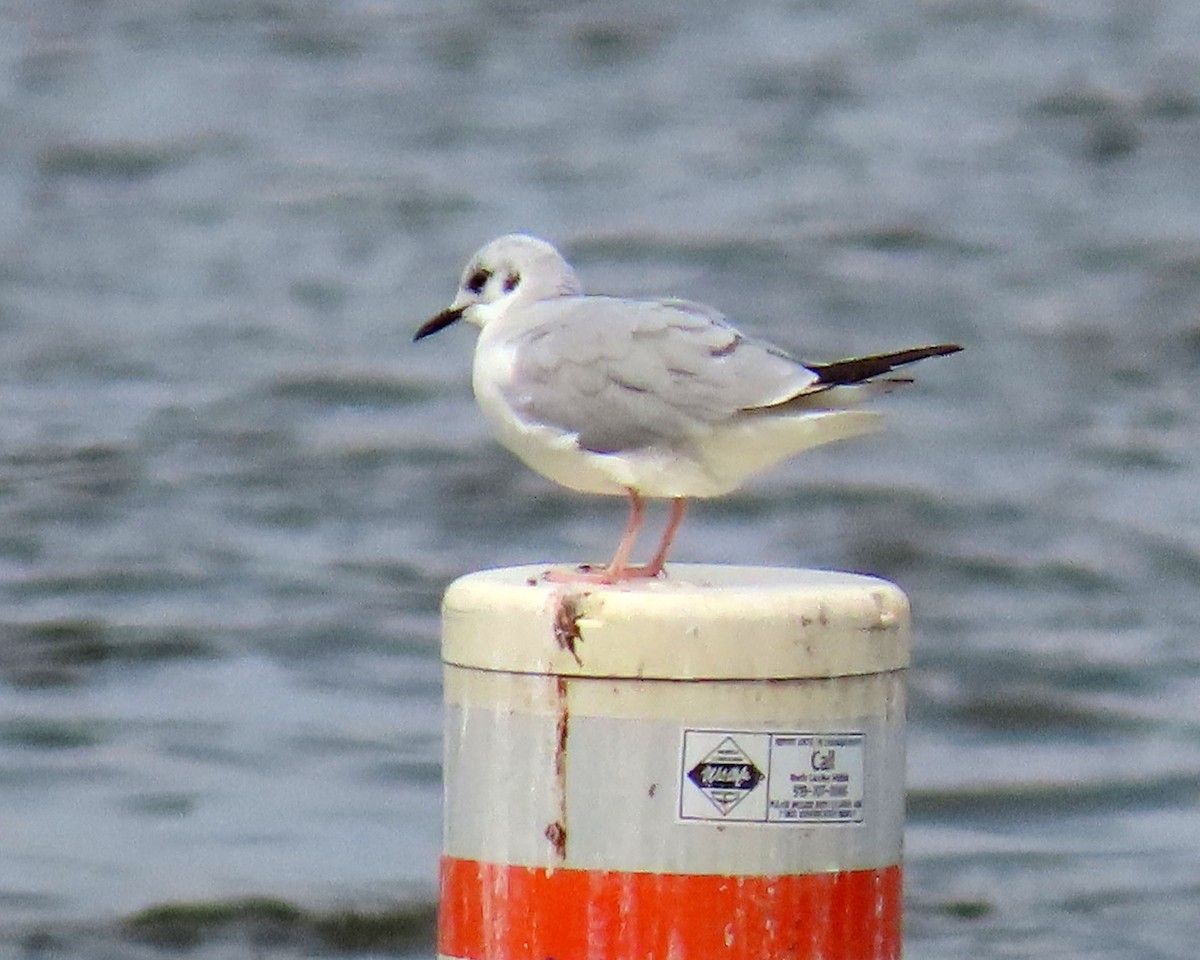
624,374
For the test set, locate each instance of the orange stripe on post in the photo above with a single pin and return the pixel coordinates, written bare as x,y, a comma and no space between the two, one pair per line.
501,912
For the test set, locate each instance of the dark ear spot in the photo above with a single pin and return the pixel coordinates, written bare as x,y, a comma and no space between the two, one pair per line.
476,281
511,281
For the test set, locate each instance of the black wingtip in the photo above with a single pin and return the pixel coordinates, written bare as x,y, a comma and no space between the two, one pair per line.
858,369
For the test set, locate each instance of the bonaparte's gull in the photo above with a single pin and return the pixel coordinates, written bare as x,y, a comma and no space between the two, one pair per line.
643,398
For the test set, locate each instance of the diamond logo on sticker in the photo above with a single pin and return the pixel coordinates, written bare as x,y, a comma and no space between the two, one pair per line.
726,775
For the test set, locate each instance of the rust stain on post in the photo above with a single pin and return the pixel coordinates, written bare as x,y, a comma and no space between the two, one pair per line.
568,609
556,832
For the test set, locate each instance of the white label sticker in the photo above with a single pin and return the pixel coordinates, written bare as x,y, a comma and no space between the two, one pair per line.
756,777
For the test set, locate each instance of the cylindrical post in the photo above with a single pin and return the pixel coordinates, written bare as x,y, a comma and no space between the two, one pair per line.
705,765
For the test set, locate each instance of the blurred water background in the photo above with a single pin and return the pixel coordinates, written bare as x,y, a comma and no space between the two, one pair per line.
231,490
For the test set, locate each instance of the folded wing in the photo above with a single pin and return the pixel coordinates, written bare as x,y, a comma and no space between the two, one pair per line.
624,375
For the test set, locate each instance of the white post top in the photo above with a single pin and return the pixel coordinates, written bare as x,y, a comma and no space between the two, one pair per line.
699,622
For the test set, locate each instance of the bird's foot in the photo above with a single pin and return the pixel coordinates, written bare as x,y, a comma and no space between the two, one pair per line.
586,573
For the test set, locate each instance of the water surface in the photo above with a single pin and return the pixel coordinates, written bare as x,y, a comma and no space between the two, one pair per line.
231,491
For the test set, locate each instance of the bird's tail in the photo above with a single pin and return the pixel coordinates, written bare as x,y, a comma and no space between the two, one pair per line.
746,446
763,436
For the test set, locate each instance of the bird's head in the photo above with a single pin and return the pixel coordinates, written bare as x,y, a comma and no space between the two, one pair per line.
512,269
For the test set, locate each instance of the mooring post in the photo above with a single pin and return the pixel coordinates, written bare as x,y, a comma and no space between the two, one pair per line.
706,765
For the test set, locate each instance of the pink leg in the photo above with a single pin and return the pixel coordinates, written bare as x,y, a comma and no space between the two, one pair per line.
618,568
678,509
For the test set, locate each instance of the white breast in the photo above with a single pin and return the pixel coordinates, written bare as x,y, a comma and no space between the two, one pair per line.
548,450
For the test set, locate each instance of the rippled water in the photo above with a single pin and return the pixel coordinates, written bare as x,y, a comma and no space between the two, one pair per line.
231,491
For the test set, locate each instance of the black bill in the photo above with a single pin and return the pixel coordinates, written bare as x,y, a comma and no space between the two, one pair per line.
439,322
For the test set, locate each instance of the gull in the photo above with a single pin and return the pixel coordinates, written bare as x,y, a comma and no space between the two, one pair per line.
643,398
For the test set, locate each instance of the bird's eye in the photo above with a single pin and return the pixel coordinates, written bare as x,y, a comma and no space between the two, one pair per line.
475,282
511,281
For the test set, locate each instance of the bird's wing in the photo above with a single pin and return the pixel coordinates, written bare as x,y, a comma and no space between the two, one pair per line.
628,374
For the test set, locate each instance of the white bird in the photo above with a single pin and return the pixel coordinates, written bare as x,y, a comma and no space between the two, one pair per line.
643,398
